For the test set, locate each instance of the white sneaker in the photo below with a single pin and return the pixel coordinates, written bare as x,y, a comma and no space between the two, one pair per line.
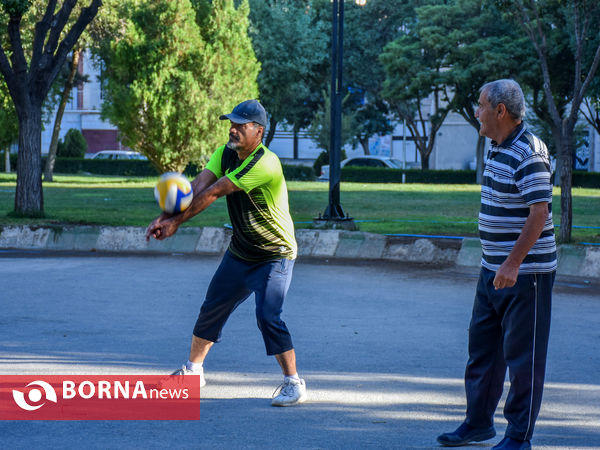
291,392
186,371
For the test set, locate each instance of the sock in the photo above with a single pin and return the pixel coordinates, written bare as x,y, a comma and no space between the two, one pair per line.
194,367
294,377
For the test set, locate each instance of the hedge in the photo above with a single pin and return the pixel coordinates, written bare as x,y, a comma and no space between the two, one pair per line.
123,167
134,167
293,172
586,179
381,175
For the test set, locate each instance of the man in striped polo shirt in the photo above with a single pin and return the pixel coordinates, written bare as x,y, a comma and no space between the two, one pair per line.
261,255
510,323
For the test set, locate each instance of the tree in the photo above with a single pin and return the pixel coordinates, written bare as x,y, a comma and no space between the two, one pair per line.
591,105
231,67
29,76
370,28
104,24
573,24
320,130
192,65
289,86
74,145
591,112
480,48
69,81
416,74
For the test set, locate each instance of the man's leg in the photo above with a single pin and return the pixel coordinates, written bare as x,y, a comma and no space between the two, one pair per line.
527,328
486,369
287,361
270,283
226,291
199,349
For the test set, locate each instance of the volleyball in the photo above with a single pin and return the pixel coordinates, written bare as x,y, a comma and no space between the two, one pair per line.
173,192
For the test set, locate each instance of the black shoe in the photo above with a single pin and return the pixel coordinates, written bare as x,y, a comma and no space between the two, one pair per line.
512,444
466,434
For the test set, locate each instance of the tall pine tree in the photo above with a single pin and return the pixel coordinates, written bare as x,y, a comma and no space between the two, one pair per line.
193,63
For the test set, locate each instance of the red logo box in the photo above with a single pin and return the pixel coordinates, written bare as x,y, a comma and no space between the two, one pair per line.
99,397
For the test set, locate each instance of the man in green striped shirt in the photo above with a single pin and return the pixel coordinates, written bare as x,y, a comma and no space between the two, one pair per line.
261,255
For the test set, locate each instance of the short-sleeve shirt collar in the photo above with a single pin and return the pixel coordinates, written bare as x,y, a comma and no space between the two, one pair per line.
512,137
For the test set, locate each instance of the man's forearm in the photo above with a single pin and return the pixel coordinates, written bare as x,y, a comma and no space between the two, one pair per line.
205,198
199,203
534,225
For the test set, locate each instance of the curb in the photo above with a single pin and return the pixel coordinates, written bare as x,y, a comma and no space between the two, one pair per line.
337,244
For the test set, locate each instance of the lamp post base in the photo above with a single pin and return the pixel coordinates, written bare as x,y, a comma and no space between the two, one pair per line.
344,223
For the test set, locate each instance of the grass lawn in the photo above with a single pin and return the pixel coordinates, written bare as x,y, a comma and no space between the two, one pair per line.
377,208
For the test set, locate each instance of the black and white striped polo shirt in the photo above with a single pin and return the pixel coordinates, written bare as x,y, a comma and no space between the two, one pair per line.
516,175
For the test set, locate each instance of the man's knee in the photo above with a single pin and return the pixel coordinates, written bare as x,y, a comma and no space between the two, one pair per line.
266,319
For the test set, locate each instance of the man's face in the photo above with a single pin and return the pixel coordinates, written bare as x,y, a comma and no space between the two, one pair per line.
487,115
243,137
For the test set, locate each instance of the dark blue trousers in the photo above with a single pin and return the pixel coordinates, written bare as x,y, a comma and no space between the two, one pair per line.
509,328
232,283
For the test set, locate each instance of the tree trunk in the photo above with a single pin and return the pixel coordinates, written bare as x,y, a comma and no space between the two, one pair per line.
271,132
566,183
365,145
480,155
29,195
66,94
424,161
421,144
296,151
7,160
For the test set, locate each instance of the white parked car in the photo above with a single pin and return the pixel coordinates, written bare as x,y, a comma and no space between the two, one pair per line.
118,154
365,161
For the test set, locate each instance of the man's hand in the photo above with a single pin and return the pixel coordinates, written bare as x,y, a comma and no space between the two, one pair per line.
506,276
161,228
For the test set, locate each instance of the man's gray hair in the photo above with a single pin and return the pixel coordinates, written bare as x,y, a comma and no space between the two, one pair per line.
509,93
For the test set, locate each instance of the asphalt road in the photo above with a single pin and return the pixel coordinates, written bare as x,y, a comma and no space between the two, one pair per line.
382,348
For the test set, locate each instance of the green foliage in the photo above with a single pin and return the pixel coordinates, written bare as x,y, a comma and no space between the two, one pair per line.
322,160
565,37
16,8
320,128
415,66
368,29
543,130
185,76
36,51
479,47
298,173
291,44
9,130
73,145
586,179
229,72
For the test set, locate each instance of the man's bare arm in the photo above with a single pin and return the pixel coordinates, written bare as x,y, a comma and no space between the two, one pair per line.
206,189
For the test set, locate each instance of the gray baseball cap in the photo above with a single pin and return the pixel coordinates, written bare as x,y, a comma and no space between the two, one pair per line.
248,111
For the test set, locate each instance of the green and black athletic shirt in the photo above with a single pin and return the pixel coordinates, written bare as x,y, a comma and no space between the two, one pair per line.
262,226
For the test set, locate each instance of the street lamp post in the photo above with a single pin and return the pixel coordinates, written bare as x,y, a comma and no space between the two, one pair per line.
334,215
